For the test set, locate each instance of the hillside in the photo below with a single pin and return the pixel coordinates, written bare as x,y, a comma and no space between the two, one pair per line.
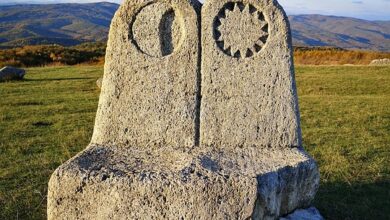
343,32
65,24
71,24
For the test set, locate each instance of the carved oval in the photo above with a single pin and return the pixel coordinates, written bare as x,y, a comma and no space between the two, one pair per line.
157,30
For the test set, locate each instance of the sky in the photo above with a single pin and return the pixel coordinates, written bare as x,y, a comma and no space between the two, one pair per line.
365,9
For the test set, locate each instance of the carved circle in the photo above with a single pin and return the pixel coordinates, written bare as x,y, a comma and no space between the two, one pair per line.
157,30
240,30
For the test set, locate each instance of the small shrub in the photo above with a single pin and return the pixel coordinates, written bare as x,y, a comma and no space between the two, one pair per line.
335,56
43,55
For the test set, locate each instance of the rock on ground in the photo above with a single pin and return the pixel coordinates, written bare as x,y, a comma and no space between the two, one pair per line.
304,214
380,62
99,82
11,73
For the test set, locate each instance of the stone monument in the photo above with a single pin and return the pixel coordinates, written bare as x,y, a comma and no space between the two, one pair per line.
198,119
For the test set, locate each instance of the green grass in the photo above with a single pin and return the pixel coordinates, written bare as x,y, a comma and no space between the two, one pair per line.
44,121
48,118
346,127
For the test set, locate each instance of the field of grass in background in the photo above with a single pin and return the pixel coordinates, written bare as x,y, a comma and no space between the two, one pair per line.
44,120
49,117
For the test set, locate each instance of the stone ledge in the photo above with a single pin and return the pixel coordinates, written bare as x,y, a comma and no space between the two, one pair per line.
132,183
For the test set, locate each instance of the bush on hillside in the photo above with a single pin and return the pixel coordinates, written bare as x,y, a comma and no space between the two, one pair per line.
29,56
335,56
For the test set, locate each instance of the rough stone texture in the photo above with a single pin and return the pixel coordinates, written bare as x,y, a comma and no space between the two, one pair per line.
304,214
147,99
174,183
162,24
248,88
99,82
380,62
11,73
181,134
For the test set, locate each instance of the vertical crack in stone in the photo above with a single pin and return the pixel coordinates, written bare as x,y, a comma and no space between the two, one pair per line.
256,213
198,99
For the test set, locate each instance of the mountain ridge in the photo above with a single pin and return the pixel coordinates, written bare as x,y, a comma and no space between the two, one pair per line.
66,23
46,2
74,23
343,32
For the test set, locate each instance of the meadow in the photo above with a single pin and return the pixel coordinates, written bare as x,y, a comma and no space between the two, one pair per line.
48,117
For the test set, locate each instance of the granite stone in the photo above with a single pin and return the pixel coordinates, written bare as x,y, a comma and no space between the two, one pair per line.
198,118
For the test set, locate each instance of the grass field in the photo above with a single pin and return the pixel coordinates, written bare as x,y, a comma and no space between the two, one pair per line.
48,118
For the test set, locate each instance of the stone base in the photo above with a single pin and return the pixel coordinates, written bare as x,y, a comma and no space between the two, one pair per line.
304,214
164,183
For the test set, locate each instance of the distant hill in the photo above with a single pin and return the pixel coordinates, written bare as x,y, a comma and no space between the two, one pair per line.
343,32
64,24
71,24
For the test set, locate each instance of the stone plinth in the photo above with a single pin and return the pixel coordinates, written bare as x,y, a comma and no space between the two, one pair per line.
167,183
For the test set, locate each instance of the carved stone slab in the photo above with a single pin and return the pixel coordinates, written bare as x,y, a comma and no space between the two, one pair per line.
149,86
248,87
147,107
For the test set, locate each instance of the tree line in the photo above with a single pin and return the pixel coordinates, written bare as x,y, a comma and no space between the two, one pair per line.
43,55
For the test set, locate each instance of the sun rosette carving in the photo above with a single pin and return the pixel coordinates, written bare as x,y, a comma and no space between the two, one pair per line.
240,30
